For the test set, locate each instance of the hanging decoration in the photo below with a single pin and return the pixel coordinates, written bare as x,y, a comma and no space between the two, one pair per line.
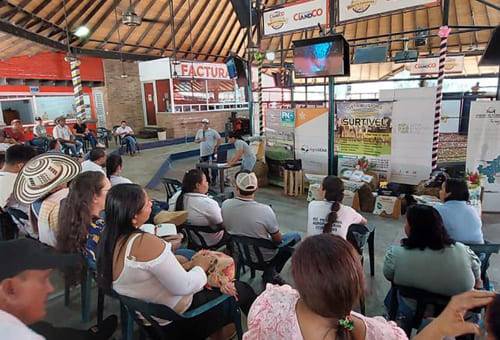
74,64
444,32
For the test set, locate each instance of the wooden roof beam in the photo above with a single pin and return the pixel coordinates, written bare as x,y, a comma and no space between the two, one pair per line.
35,11
206,26
114,28
9,15
39,39
99,22
221,29
192,25
166,24
176,29
162,10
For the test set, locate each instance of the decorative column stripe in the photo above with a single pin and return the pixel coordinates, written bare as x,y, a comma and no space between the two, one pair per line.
77,86
444,32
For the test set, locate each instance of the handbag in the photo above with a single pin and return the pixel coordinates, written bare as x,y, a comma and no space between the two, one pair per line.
221,272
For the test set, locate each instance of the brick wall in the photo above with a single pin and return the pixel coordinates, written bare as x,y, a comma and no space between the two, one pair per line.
180,124
123,95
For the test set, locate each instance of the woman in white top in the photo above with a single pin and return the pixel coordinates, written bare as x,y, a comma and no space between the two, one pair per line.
202,210
330,215
142,266
114,167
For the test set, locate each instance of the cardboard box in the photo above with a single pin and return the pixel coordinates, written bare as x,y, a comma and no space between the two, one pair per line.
388,206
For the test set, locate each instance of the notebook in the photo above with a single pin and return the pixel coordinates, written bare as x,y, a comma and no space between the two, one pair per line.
161,230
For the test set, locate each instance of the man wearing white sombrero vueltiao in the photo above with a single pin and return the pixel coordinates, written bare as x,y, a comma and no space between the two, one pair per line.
42,184
209,140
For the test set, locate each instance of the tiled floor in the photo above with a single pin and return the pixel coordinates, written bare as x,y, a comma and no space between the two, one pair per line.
292,215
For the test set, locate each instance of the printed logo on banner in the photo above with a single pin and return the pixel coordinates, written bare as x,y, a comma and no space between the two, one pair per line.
360,6
277,19
288,118
317,12
308,148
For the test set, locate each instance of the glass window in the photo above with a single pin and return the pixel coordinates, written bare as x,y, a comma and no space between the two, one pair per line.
221,91
51,107
190,91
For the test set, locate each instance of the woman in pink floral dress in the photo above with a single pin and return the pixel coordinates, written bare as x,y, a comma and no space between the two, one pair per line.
329,278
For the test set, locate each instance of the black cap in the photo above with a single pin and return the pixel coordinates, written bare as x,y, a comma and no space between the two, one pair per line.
27,254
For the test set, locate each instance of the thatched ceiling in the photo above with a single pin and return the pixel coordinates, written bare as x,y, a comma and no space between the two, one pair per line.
209,29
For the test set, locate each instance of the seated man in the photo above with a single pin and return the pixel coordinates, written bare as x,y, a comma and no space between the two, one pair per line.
96,161
40,139
54,146
66,138
245,217
16,132
24,289
126,135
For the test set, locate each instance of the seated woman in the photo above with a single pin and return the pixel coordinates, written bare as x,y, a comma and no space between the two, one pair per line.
461,220
429,259
143,266
80,224
330,215
317,310
202,210
114,167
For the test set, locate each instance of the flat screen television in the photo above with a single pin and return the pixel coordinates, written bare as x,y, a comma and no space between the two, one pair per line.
321,57
237,69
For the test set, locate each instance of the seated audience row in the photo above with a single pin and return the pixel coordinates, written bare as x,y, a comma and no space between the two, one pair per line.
239,216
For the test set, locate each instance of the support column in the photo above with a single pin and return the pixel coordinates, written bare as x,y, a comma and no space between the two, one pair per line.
74,64
444,32
259,57
332,168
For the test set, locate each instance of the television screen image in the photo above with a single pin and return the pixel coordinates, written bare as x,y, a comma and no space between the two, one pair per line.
231,68
321,57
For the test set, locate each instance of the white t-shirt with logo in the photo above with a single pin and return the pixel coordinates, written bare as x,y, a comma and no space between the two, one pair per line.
317,215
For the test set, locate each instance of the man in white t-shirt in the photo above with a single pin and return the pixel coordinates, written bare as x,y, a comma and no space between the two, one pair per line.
317,216
126,135
96,161
63,133
209,140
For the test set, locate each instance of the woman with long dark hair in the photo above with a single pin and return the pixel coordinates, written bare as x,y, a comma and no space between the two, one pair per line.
202,210
429,259
330,216
114,167
321,306
80,224
142,266
461,220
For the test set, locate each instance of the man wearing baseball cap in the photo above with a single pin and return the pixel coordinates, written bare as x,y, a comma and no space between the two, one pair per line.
245,217
209,140
24,289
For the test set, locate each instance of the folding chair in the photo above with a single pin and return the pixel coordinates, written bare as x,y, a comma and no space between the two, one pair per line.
244,247
195,238
484,252
150,312
171,185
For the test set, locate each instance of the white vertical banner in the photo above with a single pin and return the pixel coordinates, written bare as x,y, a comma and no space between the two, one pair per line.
483,149
412,132
99,106
311,140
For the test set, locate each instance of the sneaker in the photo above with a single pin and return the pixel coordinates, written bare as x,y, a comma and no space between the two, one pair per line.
105,330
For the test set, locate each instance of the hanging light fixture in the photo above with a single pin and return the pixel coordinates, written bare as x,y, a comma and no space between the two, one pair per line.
130,18
82,31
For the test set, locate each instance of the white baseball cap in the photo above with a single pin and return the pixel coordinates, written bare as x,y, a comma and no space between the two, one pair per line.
247,181
205,121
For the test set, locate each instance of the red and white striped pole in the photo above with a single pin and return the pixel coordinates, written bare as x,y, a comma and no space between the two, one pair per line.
444,32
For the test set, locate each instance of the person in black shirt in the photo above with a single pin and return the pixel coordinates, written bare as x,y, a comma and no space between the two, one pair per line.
82,132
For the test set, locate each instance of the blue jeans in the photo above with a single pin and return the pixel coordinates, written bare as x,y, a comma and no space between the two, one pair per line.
285,251
187,253
92,140
74,148
130,142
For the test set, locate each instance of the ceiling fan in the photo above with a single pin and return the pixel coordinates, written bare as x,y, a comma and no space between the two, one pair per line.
132,19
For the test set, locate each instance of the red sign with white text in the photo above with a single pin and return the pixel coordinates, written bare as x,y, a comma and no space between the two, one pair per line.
188,69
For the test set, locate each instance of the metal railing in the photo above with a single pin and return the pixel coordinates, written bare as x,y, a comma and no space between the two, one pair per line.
209,107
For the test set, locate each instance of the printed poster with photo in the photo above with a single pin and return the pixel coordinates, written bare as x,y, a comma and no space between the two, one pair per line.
280,134
363,129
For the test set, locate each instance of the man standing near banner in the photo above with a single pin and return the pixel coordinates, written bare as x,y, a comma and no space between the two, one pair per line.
209,140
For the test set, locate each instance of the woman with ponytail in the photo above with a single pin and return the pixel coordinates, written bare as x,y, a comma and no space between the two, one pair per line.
330,216
202,210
